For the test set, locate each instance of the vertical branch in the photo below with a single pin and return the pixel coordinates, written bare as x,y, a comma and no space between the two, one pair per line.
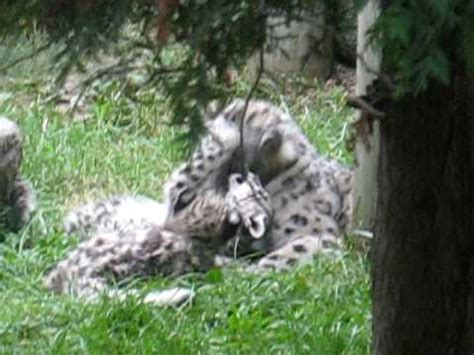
367,145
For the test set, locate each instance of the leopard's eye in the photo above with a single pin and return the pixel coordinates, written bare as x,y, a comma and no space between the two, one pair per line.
185,197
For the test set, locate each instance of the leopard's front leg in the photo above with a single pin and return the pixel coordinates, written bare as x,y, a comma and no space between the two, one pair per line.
208,169
299,251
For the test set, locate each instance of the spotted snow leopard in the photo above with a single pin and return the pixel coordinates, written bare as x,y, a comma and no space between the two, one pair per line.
145,245
17,198
308,194
311,195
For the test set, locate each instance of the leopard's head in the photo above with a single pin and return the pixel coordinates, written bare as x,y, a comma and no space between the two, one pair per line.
10,146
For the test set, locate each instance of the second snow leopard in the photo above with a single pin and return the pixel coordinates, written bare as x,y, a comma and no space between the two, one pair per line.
17,199
114,250
311,195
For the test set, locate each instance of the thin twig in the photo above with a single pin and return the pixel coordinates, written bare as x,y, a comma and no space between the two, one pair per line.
111,70
26,57
162,71
360,103
243,165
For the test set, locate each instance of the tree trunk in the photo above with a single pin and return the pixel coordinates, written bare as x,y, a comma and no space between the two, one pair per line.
423,255
368,62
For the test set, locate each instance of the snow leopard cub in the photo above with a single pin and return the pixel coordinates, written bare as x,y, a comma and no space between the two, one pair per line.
184,242
17,199
311,195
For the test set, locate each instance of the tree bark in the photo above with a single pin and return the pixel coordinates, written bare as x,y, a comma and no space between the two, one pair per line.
423,254
365,181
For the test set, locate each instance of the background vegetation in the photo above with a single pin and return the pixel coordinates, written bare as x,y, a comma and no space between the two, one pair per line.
120,146
134,38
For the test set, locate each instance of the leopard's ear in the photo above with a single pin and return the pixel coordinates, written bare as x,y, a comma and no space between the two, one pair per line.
11,145
271,141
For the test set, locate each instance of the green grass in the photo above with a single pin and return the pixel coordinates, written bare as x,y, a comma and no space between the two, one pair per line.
323,308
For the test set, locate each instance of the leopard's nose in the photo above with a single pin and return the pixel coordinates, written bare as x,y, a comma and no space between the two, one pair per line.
237,179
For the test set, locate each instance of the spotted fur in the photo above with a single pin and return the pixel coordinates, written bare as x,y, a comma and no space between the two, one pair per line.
17,198
117,214
311,195
185,242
